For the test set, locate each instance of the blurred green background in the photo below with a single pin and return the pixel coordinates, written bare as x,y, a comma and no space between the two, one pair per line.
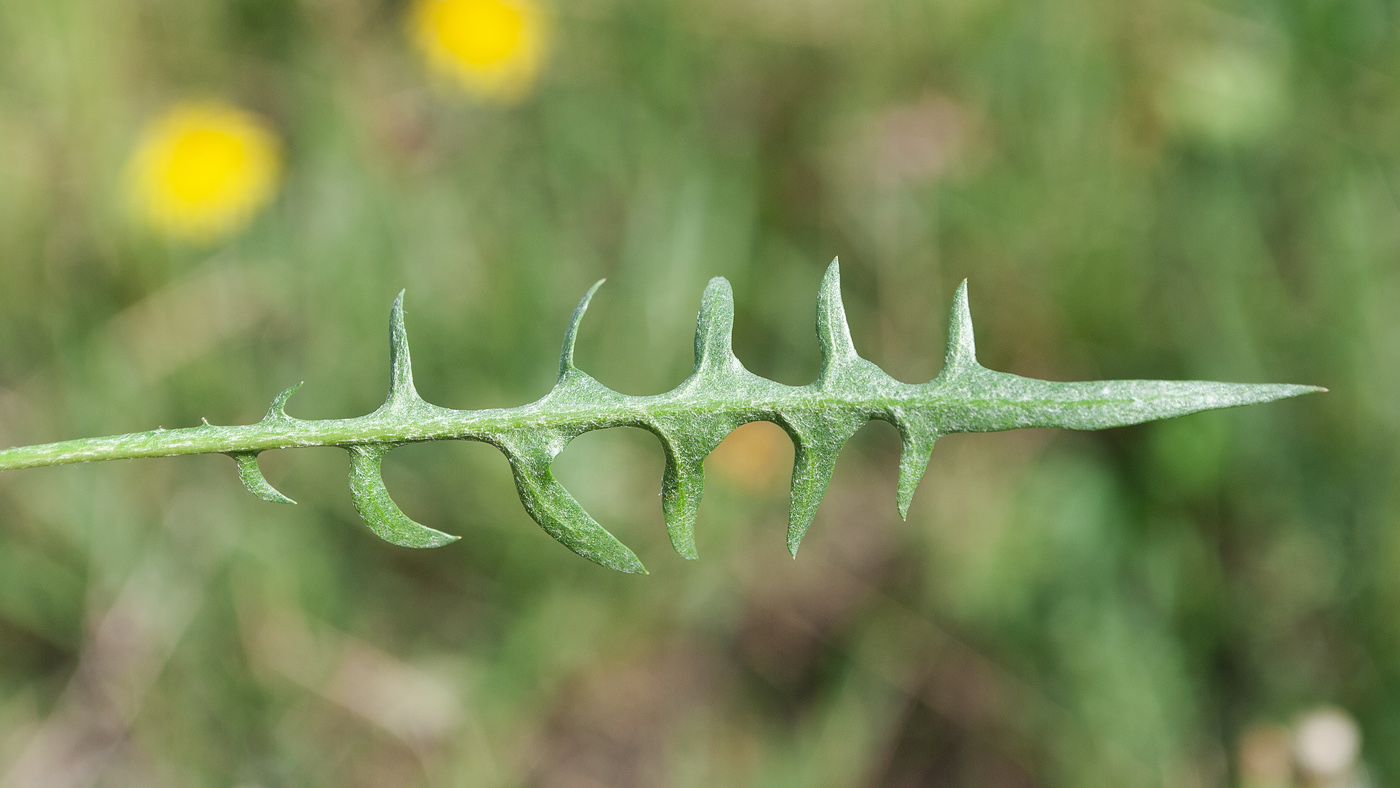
1135,188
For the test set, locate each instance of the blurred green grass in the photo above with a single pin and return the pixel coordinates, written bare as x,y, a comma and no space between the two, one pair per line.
1135,189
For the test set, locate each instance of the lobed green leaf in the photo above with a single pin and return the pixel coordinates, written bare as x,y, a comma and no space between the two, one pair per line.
689,421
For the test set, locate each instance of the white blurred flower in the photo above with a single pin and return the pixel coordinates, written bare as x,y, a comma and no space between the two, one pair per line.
1327,745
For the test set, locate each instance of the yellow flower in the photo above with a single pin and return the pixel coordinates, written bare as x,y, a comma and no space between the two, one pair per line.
492,48
201,171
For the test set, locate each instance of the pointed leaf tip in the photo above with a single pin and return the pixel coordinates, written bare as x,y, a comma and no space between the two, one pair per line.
913,462
833,331
682,486
962,349
1012,402
252,477
714,326
380,513
562,517
566,356
718,288
401,389
278,410
817,440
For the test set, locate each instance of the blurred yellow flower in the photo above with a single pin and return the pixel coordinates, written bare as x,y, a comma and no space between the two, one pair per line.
201,171
492,48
